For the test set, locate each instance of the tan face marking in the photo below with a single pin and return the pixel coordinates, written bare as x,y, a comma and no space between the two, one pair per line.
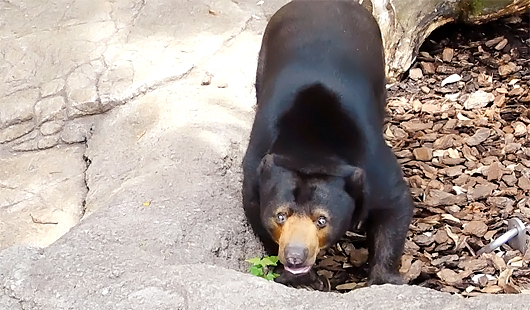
300,229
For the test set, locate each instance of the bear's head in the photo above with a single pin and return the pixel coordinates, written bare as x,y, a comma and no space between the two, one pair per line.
306,208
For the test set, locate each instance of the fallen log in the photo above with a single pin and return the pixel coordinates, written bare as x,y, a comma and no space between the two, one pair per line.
405,24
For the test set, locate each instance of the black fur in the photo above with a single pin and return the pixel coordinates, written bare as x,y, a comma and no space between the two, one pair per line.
320,88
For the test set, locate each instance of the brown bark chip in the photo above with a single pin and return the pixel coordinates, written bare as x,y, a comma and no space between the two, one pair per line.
423,153
428,67
524,183
480,136
447,54
477,228
449,276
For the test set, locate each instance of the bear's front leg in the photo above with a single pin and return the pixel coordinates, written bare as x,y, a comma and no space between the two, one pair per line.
387,231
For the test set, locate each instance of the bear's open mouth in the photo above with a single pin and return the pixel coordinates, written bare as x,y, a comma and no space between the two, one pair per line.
298,270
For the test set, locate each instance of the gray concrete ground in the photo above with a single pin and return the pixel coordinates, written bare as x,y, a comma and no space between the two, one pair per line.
120,172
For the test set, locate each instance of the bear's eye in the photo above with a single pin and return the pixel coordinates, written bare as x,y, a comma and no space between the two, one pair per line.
281,217
321,222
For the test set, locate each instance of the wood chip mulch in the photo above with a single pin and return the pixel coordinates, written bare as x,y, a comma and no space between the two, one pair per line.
459,124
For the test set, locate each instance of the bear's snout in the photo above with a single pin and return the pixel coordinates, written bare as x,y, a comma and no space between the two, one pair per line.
295,254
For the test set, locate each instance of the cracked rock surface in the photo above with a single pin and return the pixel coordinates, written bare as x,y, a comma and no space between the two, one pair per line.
122,127
68,63
42,195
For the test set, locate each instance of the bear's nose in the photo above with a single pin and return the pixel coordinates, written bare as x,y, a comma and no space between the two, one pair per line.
295,254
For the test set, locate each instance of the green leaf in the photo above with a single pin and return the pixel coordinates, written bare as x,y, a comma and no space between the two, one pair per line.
257,271
269,261
254,261
271,276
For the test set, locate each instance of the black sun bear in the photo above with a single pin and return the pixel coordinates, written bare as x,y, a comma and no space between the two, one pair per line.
317,163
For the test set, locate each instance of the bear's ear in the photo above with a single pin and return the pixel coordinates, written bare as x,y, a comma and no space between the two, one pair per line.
270,162
276,183
355,185
266,163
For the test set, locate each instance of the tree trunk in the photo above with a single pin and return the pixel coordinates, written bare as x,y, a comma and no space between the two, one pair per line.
405,24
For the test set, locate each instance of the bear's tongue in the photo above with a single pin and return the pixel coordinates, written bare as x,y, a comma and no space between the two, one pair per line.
298,270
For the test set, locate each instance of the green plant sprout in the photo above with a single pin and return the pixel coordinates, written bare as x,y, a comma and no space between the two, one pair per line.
261,267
